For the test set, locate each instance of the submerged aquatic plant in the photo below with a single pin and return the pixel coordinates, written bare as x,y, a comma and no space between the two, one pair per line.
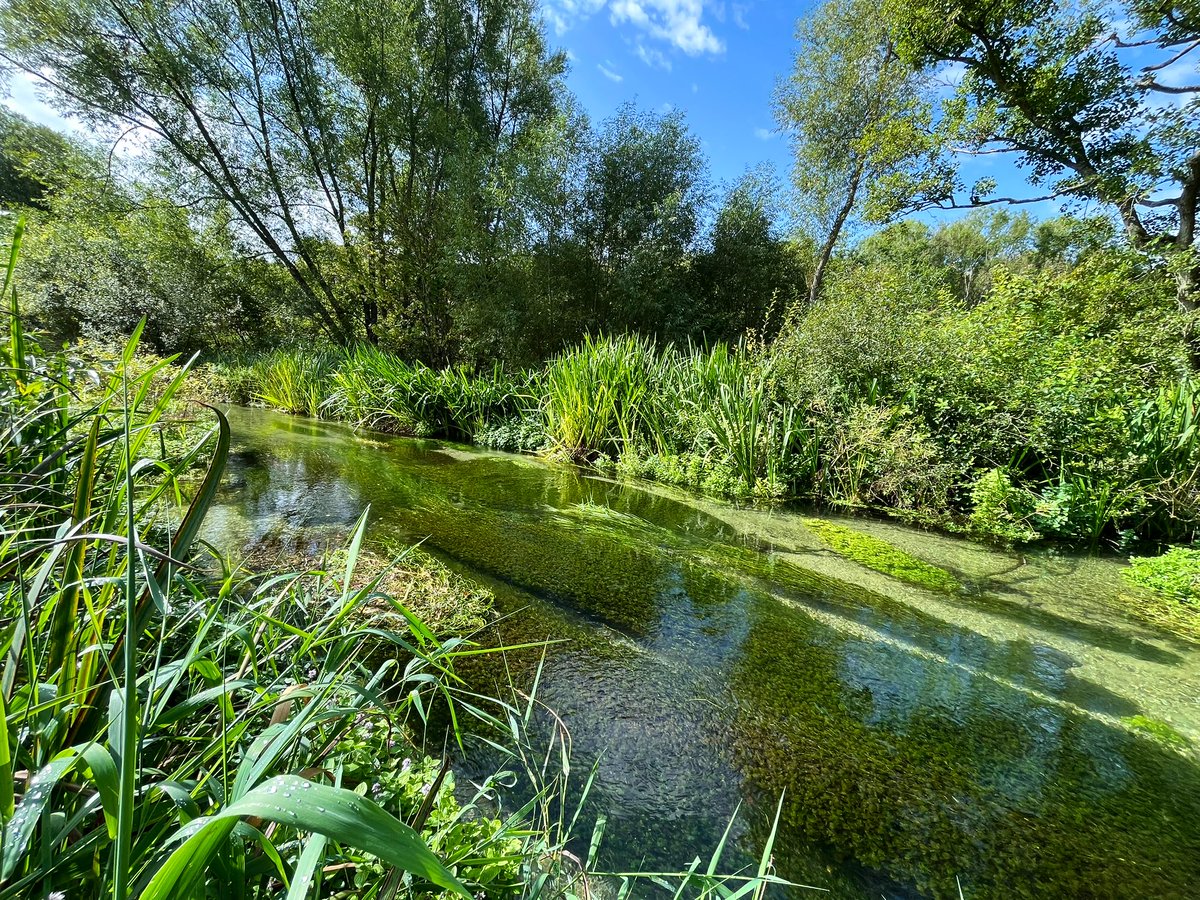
881,556
1158,730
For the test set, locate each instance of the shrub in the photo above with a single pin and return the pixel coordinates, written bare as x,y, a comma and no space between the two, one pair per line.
1000,511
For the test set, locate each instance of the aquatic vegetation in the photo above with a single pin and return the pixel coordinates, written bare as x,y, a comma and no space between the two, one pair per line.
296,381
881,556
595,395
1160,731
999,510
1174,576
987,796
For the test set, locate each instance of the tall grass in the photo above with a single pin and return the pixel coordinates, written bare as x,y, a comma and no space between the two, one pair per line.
296,381
375,389
595,395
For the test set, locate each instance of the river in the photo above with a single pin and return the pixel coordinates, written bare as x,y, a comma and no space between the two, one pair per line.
713,658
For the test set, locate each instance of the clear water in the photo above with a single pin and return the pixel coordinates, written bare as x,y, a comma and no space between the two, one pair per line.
715,657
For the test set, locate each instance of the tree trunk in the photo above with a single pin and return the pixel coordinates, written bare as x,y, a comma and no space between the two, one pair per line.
835,231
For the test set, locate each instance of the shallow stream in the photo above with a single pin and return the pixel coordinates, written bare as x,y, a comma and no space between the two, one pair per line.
715,657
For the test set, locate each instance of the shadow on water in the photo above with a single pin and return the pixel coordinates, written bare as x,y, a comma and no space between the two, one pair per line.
706,670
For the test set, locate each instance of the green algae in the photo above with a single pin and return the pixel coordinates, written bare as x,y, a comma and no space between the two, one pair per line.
881,556
1160,731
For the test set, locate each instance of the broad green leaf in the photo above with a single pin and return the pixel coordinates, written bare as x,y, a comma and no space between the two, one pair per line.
339,814
29,811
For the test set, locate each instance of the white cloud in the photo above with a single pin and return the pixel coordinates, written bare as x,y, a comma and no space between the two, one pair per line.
675,21
655,59
764,134
562,14
739,16
695,88
609,73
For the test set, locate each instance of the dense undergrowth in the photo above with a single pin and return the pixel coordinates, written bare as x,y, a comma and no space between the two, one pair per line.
1059,407
171,726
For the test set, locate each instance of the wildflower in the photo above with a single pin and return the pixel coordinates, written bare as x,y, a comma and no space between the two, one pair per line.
406,765
425,789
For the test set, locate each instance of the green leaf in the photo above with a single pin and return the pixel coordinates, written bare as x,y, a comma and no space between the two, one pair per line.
306,866
6,775
33,804
338,814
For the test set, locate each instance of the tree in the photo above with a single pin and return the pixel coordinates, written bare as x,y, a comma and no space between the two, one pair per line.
1056,85
637,219
857,117
362,144
749,277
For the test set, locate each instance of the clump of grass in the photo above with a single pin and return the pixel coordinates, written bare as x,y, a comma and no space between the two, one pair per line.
883,557
375,389
296,381
595,394
169,730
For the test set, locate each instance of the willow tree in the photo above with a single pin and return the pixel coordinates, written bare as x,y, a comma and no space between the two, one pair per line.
858,119
360,143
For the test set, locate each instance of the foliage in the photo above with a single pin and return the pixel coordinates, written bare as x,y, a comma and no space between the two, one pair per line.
999,510
596,393
95,720
1049,83
1175,575
359,165
857,117
747,277
104,254
295,382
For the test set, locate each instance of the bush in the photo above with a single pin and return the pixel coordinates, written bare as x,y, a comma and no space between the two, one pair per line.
1000,511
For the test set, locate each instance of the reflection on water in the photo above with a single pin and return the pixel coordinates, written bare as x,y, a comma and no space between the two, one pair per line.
718,656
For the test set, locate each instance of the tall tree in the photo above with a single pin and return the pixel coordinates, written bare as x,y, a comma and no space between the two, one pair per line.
355,140
858,120
638,216
1060,86
749,276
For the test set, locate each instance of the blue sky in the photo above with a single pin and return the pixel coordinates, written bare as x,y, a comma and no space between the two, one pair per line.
715,61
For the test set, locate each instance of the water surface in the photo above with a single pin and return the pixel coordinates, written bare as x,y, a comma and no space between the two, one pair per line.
716,657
